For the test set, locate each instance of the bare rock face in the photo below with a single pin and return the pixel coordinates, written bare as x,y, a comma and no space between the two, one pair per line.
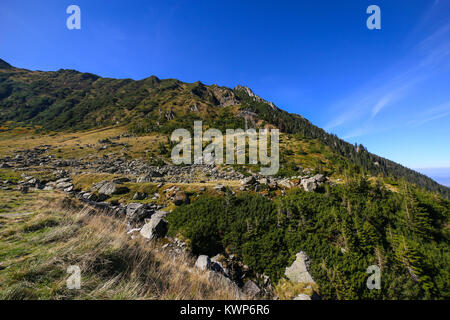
299,270
225,97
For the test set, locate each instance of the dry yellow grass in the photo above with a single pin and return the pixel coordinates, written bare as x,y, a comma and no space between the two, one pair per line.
288,290
36,250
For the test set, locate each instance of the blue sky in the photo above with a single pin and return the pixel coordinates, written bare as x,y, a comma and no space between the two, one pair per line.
388,89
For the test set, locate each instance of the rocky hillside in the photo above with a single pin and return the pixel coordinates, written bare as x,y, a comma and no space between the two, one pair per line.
70,100
142,227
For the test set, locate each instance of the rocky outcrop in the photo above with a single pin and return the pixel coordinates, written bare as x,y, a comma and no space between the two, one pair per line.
299,270
311,184
137,212
203,263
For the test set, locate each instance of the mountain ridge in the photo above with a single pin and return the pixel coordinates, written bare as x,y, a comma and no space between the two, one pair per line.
71,100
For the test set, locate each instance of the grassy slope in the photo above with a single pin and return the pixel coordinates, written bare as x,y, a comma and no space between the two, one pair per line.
70,100
41,234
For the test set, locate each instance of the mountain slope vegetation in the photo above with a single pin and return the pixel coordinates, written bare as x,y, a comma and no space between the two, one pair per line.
90,130
71,100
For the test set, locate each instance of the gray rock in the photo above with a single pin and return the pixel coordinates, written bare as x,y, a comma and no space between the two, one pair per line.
64,185
181,198
139,196
145,178
319,178
68,189
273,185
203,262
121,180
309,184
156,228
250,288
263,181
286,184
23,189
136,212
111,188
62,180
302,296
299,270
219,187
4,165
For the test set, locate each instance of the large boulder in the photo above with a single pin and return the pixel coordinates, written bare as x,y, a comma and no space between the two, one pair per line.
203,262
298,272
156,228
139,196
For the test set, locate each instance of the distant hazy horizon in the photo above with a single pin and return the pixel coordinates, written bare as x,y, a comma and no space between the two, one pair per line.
440,175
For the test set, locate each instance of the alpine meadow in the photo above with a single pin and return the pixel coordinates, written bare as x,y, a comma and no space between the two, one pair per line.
86,179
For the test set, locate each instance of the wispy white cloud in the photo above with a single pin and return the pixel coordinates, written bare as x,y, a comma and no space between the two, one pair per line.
432,114
427,58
